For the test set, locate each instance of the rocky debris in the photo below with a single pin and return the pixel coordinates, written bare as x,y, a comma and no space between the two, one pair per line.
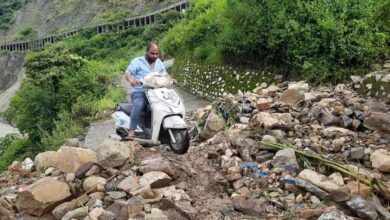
230,172
113,153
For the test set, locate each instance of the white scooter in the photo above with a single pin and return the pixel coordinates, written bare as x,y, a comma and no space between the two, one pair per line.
163,121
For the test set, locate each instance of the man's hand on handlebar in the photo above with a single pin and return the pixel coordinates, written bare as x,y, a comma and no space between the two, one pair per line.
134,82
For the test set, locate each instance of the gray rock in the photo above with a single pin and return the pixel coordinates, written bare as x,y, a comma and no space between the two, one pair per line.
244,147
113,153
264,157
117,194
255,207
213,125
268,138
155,179
380,122
383,213
156,214
66,207
340,195
77,213
306,185
357,153
285,157
332,213
120,209
362,208
156,162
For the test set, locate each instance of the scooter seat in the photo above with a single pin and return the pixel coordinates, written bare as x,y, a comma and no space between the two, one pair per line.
127,107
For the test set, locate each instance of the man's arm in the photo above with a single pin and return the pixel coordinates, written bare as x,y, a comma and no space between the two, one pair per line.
129,77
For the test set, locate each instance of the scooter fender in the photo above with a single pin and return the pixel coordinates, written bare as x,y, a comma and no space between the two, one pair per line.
174,122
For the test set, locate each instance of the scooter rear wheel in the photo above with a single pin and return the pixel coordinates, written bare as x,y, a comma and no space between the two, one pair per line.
181,141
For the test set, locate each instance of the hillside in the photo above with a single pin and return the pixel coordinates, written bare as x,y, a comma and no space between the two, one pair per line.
40,18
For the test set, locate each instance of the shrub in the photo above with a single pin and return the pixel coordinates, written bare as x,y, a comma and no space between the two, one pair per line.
314,40
17,150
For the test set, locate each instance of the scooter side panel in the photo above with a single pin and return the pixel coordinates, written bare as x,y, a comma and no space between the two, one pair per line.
161,109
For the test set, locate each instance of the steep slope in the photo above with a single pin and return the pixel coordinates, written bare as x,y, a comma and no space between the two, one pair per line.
43,17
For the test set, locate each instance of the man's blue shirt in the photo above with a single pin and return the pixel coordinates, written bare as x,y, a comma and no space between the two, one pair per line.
139,68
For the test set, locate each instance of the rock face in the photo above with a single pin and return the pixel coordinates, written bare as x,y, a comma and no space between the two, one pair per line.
213,125
381,160
67,159
43,196
113,153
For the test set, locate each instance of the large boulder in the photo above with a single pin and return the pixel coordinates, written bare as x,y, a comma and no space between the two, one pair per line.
113,153
67,159
47,159
71,158
213,125
43,196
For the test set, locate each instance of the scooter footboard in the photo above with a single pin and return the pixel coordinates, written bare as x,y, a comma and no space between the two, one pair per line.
174,122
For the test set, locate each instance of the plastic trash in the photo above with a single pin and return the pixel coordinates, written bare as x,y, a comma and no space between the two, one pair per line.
252,168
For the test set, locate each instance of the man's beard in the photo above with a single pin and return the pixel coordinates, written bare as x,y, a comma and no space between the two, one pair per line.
150,59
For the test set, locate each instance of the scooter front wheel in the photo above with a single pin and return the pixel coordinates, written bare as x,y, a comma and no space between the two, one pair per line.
179,140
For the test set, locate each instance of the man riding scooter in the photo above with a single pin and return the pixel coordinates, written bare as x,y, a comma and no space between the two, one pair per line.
138,68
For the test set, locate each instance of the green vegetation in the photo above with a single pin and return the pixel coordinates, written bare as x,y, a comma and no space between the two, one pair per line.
69,84
28,33
314,40
7,9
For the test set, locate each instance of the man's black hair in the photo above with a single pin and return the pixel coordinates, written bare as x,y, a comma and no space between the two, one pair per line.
153,42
